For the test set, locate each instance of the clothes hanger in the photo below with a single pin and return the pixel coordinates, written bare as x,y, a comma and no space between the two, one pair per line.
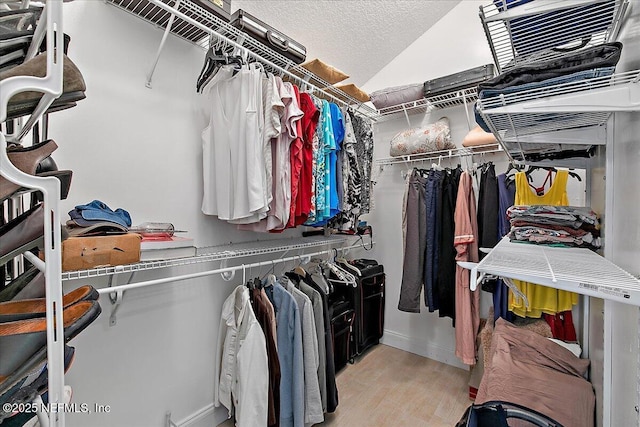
213,60
298,268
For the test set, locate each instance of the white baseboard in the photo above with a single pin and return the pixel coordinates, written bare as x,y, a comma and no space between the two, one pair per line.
205,417
425,349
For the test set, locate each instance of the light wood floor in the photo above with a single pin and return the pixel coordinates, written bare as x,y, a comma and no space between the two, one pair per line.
391,387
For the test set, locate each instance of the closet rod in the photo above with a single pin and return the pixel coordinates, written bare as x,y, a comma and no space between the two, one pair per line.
146,283
258,57
444,154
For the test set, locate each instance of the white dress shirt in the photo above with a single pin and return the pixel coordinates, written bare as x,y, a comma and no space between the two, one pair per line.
241,371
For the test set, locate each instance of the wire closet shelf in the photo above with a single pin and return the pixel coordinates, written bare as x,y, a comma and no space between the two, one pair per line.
208,254
523,32
572,269
439,155
426,105
566,116
199,26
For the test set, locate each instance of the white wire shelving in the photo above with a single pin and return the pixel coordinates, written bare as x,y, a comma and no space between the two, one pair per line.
209,254
426,105
571,269
561,117
195,24
439,155
524,32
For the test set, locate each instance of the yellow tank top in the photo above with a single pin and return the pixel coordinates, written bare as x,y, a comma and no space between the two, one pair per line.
542,299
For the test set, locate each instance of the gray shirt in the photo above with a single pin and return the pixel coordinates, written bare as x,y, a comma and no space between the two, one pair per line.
313,413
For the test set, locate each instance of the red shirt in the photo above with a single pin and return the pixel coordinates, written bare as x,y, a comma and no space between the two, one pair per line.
308,123
296,158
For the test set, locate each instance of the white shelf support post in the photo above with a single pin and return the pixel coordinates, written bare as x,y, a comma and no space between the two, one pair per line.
167,30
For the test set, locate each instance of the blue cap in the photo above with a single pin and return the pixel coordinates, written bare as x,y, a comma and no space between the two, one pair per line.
99,211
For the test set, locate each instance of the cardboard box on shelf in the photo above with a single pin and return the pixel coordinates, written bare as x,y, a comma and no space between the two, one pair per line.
81,253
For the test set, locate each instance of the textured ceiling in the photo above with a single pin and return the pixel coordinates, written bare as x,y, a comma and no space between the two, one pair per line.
357,37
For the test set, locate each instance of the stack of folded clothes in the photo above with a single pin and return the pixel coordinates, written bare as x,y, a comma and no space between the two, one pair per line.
96,218
555,225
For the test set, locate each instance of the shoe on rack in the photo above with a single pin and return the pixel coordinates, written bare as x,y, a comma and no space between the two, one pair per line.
64,176
29,387
27,160
22,233
23,103
12,311
23,343
28,285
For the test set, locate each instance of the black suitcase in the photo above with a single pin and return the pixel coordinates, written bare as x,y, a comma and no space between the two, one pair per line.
367,298
462,80
269,36
370,326
342,336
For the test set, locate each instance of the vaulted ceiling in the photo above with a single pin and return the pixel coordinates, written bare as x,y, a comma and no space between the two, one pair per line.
358,37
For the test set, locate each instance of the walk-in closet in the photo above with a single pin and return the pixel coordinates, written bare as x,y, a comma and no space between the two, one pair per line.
293,213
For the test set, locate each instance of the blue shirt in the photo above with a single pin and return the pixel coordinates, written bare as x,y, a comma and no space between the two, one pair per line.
289,335
337,126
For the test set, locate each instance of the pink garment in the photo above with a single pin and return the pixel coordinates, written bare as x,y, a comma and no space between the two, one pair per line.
278,214
466,244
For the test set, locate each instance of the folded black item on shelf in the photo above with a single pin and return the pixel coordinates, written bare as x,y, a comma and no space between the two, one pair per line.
606,55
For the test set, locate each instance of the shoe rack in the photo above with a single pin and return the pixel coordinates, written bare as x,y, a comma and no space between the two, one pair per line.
51,87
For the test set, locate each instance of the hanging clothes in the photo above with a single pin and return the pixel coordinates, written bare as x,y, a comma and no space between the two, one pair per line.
316,302
446,283
320,164
351,182
232,154
309,123
506,199
466,244
415,218
488,208
265,314
289,330
542,299
296,160
337,125
241,379
282,158
433,200
363,130
317,281
312,401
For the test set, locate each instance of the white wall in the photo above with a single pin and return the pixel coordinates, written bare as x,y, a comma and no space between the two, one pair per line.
457,42
140,149
454,43
623,236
